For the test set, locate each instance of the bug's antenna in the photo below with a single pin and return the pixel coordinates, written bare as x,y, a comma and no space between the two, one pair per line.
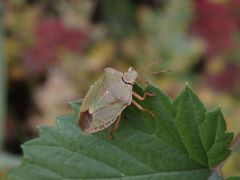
142,80
159,72
154,62
149,65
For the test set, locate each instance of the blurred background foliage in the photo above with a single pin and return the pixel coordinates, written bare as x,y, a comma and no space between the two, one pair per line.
54,51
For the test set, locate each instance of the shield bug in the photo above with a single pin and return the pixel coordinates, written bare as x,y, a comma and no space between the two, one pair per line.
107,98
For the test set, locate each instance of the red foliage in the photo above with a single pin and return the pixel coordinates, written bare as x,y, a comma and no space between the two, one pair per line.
216,23
226,80
51,36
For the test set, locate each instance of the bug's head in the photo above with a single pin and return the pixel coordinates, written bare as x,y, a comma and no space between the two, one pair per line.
130,76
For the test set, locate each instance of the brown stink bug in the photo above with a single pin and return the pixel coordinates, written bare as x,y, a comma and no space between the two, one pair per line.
107,98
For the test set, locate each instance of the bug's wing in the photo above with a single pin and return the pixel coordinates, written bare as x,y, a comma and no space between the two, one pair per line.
104,117
93,93
107,113
103,99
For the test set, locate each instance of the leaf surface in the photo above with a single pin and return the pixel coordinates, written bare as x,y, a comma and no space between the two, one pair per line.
182,141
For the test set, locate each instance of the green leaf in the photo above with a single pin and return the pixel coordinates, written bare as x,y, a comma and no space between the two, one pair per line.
215,142
182,141
233,178
190,113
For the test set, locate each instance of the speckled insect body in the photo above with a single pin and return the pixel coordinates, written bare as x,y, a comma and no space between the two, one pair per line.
106,99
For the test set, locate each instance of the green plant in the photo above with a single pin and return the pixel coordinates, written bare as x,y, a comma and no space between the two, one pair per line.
167,36
183,141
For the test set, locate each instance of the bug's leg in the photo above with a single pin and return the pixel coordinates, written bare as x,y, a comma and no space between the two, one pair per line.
116,125
141,98
142,109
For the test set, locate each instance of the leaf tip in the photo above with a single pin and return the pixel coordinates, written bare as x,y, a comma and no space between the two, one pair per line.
187,87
